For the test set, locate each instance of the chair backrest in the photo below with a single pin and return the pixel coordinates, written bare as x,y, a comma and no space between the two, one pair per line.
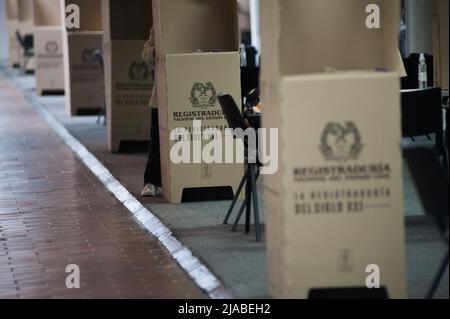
431,182
98,55
20,39
249,79
231,111
253,97
28,40
251,53
422,114
447,130
411,64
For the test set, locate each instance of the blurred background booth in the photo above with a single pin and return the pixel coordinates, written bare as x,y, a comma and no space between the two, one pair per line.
48,48
83,85
330,83
128,79
25,36
197,56
440,42
12,24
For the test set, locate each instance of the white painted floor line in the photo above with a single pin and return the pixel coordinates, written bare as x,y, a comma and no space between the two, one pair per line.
196,270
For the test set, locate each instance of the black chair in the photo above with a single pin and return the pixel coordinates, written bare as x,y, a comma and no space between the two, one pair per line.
249,80
422,115
236,120
100,61
411,63
432,184
251,53
27,45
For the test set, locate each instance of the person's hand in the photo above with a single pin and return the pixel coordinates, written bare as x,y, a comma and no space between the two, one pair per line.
148,54
257,109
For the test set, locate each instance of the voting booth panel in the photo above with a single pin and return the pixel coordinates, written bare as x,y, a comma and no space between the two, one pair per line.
12,24
335,206
48,46
128,109
25,16
210,72
197,58
49,60
189,25
90,19
343,200
25,27
440,42
83,76
14,49
128,79
47,13
85,88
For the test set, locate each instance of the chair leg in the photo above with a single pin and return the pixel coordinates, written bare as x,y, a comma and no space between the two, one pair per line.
236,197
248,210
245,202
254,191
25,64
446,161
238,218
102,113
105,119
438,278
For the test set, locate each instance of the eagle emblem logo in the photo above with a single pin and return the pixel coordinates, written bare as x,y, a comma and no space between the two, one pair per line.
203,95
341,142
138,71
88,56
51,47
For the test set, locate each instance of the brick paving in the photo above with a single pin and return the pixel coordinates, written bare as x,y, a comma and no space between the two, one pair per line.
53,212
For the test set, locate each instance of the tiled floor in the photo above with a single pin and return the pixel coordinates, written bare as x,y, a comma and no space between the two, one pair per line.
53,213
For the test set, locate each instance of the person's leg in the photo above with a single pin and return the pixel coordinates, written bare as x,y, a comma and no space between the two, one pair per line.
152,173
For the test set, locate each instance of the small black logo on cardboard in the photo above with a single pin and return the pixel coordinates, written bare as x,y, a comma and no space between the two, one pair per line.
346,261
341,142
51,47
206,171
88,56
203,95
138,71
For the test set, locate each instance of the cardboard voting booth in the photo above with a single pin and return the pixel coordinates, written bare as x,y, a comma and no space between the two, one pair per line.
12,24
25,27
440,42
335,206
197,58
128,79
48,48
83,75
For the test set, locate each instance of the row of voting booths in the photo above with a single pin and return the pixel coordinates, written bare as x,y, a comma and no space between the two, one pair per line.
197,54
329,84
195,47
64,59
